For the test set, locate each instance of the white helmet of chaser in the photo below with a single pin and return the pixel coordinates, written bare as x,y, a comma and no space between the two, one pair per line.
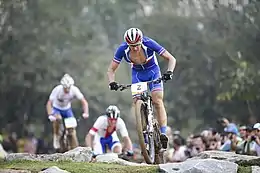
133,36
67,81
113,112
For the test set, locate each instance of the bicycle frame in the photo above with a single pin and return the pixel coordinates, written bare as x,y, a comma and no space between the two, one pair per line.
150,127
147,99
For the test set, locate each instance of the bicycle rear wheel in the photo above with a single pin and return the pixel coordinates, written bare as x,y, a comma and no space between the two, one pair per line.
148,150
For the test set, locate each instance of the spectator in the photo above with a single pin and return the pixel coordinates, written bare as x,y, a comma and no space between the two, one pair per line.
30,144
232,140
243,131
9,143
177,134
179,151
228,126
256,138
197,145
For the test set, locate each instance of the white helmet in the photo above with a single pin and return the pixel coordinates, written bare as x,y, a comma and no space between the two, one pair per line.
133,36
113,112
67,81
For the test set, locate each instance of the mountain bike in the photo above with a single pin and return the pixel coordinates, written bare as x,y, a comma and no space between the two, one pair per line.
147,126
65,139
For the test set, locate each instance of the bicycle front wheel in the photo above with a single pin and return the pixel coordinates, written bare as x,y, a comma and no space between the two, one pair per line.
148,150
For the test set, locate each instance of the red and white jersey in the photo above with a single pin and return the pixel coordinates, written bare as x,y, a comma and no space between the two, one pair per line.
100,127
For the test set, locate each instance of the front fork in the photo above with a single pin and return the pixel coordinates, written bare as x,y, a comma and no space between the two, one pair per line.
149,129
150,115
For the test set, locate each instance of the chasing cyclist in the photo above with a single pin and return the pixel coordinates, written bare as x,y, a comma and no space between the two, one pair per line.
103,134
59,106
139,51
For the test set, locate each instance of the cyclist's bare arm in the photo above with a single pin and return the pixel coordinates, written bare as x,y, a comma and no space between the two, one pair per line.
111,71
84,103
89,140
171,60
127,143
49,107
124,133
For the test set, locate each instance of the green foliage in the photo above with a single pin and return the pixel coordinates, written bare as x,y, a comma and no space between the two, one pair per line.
242,169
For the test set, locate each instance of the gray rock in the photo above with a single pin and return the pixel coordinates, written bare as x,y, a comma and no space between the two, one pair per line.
108,157
200,166
113,158
255,169
54,169
79,154
240,159
223,155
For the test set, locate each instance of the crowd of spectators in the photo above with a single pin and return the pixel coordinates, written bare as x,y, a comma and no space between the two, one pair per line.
241,139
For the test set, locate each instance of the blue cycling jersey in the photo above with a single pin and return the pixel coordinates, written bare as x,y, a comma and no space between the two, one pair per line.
149,47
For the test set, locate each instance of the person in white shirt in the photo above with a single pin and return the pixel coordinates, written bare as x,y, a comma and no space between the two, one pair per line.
179,154
103,134
59,106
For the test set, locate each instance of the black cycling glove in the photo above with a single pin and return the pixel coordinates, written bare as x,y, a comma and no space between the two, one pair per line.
113,86
167,76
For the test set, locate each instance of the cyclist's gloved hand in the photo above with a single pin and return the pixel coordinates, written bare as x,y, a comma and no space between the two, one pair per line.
52,118
130,153
167,76
113,86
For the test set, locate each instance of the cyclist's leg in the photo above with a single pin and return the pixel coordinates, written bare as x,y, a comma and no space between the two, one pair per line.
72,134
157,97
156,90
56,129
98,145
114,144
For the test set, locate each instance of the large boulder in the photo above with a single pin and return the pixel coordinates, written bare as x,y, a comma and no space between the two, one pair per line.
200,166
79,154
240,159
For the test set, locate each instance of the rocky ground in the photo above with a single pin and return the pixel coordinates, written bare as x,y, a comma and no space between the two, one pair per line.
205,162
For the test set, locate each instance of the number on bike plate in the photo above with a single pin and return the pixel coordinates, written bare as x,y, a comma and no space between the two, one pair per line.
70,122
138,88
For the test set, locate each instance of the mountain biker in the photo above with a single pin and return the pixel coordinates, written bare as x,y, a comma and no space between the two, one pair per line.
139,51
104,133
59,106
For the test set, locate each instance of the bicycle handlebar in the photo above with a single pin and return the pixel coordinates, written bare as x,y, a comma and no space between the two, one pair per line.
126,86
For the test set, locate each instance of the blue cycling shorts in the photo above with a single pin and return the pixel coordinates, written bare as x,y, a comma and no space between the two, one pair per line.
64,113
148,75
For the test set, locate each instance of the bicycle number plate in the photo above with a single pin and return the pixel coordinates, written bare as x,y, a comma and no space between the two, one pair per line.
70,122
138,88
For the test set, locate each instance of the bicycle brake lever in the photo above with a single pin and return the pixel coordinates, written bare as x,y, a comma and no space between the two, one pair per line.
122,87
